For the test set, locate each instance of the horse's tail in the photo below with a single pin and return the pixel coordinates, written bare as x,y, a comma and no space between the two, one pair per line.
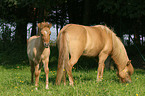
63,56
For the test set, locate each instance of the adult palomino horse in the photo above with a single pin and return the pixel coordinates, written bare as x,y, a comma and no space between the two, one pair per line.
38,52
78,40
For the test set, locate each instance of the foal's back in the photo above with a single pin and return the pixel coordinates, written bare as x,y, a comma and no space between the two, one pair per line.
31,46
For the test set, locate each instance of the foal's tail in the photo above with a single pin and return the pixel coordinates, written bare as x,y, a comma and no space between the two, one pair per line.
63,56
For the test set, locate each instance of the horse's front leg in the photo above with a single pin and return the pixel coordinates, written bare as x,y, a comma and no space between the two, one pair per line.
45,62
102,58
37,73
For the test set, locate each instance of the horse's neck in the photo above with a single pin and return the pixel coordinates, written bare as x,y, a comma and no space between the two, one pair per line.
119,54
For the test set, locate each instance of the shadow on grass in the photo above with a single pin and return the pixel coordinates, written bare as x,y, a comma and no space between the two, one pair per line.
17,58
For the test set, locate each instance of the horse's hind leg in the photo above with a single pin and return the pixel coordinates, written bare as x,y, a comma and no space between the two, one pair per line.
76,48
69,66
102,57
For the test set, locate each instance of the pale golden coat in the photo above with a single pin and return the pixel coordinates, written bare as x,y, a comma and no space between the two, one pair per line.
92,41
38,51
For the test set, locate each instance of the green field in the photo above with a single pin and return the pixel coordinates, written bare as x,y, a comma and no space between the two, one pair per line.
15,79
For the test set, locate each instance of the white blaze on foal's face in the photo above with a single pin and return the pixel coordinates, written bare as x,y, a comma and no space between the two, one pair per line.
45,32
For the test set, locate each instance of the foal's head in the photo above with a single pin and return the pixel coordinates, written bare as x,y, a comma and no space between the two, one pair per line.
45,32
125,75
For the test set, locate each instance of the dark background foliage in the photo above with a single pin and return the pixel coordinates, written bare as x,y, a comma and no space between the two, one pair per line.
124,17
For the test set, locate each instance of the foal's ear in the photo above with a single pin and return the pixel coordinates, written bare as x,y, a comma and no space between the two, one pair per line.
50,25
128,62
45,24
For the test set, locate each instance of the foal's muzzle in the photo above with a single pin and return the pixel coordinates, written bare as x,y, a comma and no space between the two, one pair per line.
46,45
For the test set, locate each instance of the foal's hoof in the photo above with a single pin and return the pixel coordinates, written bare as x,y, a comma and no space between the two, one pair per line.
47,88
64,84
36,88
98,80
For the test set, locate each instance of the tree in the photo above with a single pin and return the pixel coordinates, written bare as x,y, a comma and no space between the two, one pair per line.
21,12
130,10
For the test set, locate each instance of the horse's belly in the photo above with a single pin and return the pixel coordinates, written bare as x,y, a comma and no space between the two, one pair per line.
91,53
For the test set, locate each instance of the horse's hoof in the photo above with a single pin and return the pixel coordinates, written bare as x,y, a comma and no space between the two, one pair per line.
71,84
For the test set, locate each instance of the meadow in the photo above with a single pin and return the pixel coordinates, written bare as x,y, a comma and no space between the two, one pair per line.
15,78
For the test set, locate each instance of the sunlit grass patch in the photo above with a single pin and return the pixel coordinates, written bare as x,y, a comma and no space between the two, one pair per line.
15,80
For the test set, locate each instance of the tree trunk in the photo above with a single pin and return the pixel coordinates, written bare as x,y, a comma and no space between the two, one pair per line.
41,15
56,21
136,32
73,11
86,12
137,38
21,32
69,3
33,28
35,13
129,38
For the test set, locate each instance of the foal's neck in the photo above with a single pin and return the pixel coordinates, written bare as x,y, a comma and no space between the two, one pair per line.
41,45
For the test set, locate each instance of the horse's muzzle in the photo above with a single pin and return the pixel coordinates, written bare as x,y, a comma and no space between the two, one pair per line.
46,45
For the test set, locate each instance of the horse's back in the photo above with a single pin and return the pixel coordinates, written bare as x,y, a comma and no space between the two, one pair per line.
76,37
98,39
89,40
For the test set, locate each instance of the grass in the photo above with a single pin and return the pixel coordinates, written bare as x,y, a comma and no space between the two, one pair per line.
15,79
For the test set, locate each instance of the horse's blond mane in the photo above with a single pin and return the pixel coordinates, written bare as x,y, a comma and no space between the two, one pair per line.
111,30
119,54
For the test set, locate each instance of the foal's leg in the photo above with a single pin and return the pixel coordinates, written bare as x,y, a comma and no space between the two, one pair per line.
102,57
45,62
32,70
37,73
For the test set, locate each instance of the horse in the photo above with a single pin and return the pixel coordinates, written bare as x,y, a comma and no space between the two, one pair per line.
76,40
38,52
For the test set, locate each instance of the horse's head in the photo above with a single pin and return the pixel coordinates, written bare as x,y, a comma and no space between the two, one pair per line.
125,75
45,33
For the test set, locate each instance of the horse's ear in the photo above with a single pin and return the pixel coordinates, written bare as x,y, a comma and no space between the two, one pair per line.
128,62
50,25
